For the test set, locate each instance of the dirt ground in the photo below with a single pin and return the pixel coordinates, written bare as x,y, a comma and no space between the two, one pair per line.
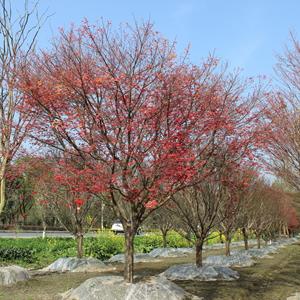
269,279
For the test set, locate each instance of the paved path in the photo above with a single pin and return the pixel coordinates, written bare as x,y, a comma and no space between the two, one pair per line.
34,234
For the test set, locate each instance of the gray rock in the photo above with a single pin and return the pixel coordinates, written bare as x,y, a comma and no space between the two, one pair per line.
205,273
105,287
264,252
233,244
114,288
74,264
253,253
296,296
237,260
157,289
138,258
171,252
271,249
12,274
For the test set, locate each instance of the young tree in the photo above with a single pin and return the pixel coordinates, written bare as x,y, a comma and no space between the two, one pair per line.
261,210
69,192
283,117
233,203
245,217
197,209
163,219
18,37
268,210
19,192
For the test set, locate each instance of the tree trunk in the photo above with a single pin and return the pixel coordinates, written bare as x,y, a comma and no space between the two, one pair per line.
129,252
44,229
221,238
79,241
245,235
199,249
286,230
258,241
102,215
2,194
164,236
227,246
279,232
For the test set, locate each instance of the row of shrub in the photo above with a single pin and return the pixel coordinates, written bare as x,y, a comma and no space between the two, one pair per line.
38,251
103,246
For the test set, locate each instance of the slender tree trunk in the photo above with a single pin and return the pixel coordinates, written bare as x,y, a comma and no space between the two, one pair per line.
227,245
44,229
286,230
221,238
258,241
280,232
129,252
79,241
102,215
24,220
164,236
245,235
199,251
2,194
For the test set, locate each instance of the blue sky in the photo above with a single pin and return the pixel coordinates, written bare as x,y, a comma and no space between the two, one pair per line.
246,33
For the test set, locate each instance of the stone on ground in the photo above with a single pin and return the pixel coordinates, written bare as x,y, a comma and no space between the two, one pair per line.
254,253
12,274
114,288
138,258
205,273
74,264
237,260
296,296
171,252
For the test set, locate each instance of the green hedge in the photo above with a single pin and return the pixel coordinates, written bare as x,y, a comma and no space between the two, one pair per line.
39,252
14,253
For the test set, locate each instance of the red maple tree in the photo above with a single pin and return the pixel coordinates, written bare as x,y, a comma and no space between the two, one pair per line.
144,122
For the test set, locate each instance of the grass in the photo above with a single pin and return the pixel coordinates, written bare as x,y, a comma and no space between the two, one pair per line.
269,279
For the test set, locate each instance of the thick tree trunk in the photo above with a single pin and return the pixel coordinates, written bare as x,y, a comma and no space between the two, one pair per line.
2,194
79,241
199,250
129,258
245,235
227,246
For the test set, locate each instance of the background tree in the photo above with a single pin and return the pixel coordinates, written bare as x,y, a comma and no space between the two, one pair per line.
18,35
164,219
236,185
69,193
283,118
19,193
197,208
